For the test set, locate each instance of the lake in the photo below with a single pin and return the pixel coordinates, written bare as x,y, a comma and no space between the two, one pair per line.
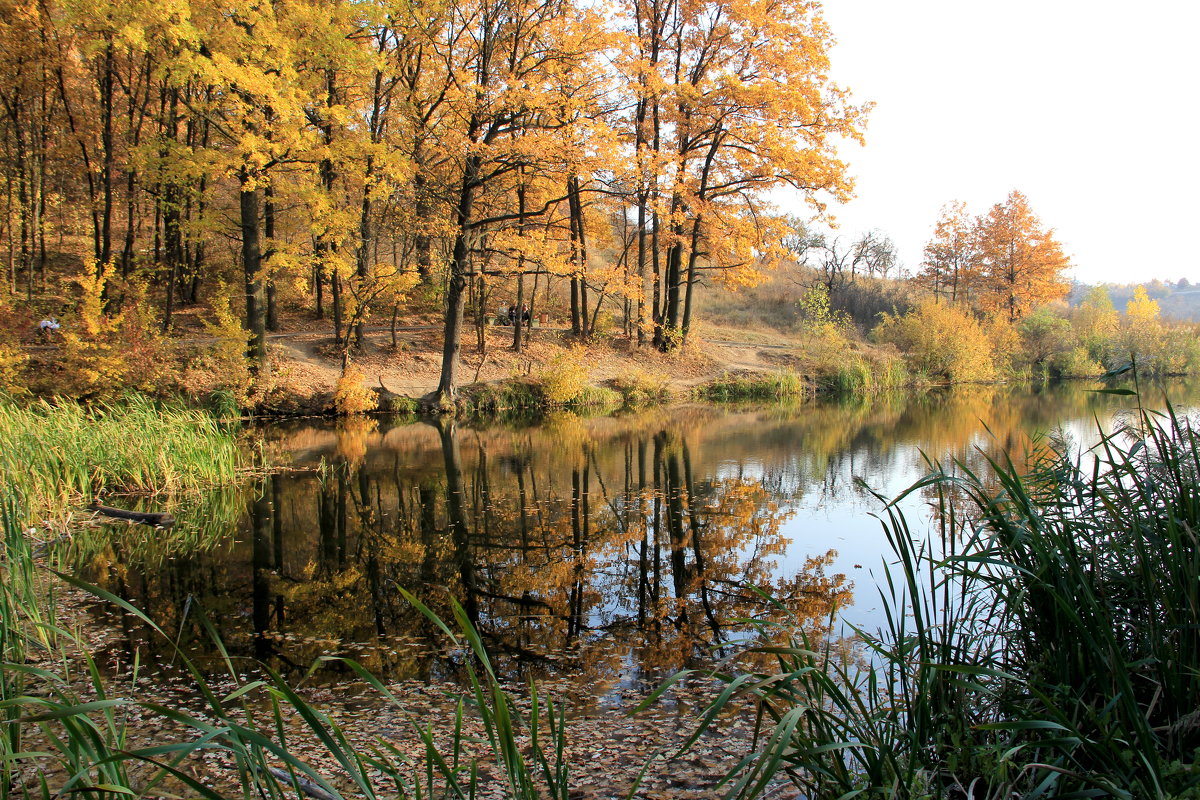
606,551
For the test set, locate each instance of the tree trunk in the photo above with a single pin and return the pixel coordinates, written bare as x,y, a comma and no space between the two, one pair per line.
172,213
519,316
269,233
456,287
579,303
108,156
256,319
693,256
670,315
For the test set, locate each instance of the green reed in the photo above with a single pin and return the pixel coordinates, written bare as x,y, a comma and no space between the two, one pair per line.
1043,643
856,375
54,454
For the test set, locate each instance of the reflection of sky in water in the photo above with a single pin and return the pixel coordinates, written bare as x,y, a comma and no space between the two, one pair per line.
317,558
842,513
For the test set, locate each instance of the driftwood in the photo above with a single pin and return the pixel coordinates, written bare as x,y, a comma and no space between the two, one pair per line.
156,519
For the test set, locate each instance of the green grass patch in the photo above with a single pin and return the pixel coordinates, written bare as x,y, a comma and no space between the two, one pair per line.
858,375
640,389
730,388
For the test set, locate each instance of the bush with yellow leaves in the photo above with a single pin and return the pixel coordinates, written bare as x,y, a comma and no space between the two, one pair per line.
352,395
222,367
941,341
12,359
564,377
152,363
91,363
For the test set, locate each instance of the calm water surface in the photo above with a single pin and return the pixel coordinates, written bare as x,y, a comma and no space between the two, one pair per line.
613,550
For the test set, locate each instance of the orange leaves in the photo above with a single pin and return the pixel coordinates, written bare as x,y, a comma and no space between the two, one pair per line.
1002,263
1022,263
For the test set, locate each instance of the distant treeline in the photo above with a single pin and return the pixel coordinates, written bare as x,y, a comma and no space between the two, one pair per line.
1177,300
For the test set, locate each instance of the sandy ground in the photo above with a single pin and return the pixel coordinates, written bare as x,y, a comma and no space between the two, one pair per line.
308,363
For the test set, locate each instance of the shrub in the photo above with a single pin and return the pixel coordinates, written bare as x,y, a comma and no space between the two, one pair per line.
223,364
351,396
1076,363
564,378
107,350
92,361
1044,335
820,319
866,299
12,361
941,341
641,388
398,404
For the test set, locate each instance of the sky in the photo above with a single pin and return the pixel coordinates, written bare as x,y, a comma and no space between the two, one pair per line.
1090,108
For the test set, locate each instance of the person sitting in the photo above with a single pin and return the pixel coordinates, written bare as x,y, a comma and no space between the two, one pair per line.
505,316
48,327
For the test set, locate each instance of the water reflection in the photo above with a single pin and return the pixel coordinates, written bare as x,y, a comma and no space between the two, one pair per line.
619,549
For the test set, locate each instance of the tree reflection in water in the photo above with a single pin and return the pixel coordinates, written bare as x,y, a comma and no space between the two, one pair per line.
617,550
611,557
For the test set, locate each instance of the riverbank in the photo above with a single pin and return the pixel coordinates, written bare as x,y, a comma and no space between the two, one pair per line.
401,369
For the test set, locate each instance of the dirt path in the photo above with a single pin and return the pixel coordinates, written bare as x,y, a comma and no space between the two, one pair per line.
310,360
308,364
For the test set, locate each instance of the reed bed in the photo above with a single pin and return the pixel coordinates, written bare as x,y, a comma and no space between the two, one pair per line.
55,454
1043,642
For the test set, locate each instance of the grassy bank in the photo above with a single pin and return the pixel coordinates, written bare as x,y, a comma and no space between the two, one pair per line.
731,388
1042,644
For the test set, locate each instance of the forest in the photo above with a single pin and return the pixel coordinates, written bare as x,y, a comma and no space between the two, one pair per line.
229,172
350,154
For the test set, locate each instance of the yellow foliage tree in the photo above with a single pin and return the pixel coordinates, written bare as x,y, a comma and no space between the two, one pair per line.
733,100
951,266
1021,262
92,360
351,396
1143,331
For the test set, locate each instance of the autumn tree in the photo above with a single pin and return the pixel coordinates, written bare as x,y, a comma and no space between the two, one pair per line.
1096,324
1142,327
522,71
1021,263
950,269
733,99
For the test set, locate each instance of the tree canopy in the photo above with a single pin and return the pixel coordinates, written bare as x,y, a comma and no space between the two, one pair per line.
343,145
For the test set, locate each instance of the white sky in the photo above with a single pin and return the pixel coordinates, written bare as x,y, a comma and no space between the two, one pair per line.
1088,107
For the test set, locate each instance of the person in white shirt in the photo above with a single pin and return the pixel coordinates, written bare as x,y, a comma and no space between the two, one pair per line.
48,327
